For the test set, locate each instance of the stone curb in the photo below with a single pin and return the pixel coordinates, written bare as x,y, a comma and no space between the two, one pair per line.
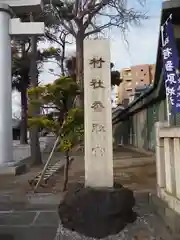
47,201
14,169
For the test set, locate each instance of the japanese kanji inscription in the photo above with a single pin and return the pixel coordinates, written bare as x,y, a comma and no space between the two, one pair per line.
171,67
97,106
98,151
167,52
98,128
96,83
96,62
98,115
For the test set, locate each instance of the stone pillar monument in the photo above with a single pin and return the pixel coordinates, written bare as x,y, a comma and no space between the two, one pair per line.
11,27
98,114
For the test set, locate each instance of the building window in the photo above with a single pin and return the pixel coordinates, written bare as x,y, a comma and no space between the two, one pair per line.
127,73
129,89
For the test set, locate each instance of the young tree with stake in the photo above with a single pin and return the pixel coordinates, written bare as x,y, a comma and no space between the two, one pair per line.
68,124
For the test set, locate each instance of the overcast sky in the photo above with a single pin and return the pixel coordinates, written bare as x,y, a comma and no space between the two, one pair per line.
142,41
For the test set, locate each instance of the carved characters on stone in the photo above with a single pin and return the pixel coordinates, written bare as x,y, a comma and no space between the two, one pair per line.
96,83
98,151
96,63
98,128
97,106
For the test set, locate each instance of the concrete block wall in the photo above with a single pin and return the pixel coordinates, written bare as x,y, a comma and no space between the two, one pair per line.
168,164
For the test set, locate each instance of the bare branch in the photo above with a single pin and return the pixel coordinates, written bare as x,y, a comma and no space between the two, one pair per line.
66,24
76,7
52,37
29,46
51,61
92,10
119,17
54,74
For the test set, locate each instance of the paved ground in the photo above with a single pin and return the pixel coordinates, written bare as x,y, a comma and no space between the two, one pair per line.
43,224
28,225
28,216
134,170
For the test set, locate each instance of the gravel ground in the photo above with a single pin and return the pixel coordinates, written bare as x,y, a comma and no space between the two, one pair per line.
146,227
137,231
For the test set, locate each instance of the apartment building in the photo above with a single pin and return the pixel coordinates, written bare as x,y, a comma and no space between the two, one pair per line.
133,77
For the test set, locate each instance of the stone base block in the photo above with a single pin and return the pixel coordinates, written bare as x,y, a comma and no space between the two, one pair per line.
97,213
13,168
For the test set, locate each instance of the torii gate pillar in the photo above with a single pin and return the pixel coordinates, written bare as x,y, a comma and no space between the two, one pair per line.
9,27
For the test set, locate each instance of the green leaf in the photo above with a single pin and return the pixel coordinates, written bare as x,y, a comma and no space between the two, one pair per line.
70,121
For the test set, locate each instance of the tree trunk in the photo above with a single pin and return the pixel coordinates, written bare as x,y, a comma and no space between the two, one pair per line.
66,171
80,65
34,130
62,60
23,127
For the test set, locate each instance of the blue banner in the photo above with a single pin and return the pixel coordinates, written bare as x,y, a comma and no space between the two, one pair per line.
171,65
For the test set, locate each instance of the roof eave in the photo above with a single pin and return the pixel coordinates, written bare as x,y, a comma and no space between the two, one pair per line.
169,4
